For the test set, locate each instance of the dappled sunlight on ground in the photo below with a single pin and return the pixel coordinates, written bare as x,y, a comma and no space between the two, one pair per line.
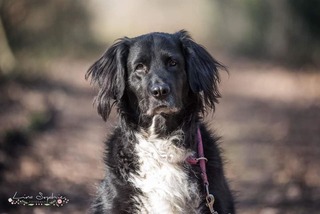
269,118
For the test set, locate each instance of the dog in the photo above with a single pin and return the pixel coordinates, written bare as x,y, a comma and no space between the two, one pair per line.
162,85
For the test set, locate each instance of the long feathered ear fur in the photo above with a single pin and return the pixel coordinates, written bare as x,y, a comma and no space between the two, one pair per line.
202,70
109,73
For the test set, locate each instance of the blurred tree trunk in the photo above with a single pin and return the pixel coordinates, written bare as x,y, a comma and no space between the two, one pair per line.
7,59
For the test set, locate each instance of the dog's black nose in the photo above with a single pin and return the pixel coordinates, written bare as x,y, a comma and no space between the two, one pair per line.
160,90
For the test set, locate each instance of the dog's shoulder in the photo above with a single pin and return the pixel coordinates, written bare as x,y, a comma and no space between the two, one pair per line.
119,152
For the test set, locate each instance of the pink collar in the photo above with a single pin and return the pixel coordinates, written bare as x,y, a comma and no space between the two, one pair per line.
201,160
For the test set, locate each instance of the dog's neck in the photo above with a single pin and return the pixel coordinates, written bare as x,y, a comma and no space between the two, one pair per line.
164,126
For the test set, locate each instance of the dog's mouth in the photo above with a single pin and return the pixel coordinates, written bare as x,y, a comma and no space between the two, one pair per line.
162,109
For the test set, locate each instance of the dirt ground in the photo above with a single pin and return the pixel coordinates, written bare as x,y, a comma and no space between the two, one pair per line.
51,137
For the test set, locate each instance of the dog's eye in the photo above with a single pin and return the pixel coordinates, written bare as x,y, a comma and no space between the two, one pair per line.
172,62
140,67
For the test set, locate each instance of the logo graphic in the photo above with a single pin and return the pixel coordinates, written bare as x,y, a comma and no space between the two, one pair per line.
39,200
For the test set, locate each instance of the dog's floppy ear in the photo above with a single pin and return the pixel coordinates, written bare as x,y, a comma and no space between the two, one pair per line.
109,73
202,69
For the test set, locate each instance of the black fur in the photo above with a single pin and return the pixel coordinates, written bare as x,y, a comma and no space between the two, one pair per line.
164,76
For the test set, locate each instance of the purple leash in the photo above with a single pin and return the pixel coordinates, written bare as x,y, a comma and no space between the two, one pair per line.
201,160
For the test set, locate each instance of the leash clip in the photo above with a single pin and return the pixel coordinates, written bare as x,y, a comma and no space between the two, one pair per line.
210,201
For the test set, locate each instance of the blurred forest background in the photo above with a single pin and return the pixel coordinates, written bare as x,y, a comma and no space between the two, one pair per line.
51,136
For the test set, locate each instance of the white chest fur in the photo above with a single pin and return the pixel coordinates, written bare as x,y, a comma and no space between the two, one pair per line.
163,177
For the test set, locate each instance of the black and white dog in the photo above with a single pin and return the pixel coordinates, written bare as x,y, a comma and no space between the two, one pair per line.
161,85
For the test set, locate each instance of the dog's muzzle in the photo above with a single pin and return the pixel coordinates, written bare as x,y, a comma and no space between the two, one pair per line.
161,100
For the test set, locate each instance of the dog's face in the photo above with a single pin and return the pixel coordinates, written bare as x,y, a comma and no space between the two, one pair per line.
156,73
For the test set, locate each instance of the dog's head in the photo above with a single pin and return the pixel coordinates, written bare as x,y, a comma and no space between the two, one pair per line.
156,73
